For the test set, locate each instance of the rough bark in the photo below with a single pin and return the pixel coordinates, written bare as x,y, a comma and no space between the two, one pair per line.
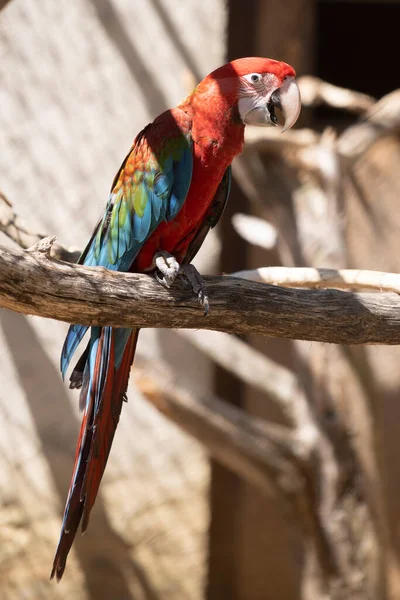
32,283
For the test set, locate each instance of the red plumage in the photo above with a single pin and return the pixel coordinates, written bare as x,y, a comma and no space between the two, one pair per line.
210,114
213,118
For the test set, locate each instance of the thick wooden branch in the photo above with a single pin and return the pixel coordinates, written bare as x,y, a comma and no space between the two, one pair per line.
31,283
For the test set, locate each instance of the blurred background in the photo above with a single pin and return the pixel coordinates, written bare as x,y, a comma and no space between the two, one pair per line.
78,81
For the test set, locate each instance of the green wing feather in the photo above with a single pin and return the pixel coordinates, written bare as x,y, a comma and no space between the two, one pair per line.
150,188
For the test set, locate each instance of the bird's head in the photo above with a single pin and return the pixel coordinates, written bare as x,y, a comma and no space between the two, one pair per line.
256,86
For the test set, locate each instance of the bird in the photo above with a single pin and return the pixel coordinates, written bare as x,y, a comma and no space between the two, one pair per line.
170,190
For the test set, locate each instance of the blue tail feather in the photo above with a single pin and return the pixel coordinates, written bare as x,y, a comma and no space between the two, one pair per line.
74,337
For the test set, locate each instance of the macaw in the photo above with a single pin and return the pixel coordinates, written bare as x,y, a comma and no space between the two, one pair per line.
169,191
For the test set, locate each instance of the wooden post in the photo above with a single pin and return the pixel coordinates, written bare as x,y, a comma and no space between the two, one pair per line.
226,488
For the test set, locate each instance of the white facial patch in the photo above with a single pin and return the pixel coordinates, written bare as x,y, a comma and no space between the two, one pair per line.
249,103
255,90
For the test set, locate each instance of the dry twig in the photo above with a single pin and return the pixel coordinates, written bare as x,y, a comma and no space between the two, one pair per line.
21,233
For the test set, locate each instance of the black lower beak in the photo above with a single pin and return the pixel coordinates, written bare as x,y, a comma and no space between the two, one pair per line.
272,115
275,101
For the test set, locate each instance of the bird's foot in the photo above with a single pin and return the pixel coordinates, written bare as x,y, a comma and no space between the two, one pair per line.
168,267
198,286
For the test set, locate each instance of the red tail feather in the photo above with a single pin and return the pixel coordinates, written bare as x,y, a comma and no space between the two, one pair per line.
94,443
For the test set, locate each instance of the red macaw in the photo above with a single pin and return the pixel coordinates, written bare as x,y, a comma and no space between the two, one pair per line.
170,190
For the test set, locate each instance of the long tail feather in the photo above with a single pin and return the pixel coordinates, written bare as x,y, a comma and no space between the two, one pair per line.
104,383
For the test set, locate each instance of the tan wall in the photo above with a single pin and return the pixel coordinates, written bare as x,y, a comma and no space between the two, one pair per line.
78,81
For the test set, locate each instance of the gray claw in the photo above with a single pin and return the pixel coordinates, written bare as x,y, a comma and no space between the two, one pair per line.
169,268
203,299
198,285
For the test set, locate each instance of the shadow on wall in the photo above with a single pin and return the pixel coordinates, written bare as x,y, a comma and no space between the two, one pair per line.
113,25
103,556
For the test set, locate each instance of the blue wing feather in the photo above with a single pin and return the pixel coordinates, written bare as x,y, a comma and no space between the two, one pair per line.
122,231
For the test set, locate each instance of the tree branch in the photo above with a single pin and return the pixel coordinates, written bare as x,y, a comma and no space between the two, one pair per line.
31,283
311,278
382,119
315,92
255,450
262,453
266,375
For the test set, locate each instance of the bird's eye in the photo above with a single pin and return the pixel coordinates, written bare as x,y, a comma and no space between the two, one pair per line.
253,77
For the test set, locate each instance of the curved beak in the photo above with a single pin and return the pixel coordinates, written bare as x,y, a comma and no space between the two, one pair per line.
287,99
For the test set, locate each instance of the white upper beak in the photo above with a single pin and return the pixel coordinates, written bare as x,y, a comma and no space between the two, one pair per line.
287,99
